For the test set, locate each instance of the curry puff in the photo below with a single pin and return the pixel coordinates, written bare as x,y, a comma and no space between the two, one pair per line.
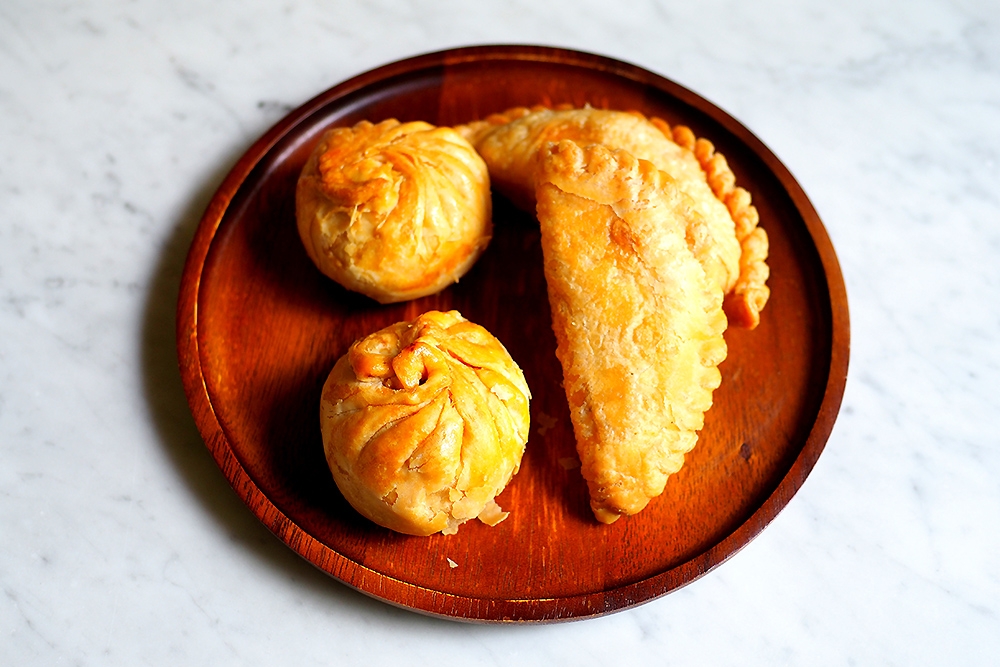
394,210
638,322
736,252
424,423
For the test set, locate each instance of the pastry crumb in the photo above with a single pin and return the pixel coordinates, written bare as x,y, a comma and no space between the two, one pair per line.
492,514
569,462
546,422
452,564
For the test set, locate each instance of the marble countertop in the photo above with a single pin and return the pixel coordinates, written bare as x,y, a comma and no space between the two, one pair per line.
122,544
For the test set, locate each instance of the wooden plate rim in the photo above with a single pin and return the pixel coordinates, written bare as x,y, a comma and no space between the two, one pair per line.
442,604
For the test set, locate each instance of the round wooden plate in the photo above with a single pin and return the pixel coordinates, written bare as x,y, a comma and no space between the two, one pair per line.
259,328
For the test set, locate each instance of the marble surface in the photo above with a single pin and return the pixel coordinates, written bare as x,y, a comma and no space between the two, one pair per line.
122,544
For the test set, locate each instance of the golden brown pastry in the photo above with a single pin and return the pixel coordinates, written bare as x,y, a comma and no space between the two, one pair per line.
736,252
639,324
394,210
747,297
424,423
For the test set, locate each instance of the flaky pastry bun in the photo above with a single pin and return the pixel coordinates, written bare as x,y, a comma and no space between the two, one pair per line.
424,423
394,210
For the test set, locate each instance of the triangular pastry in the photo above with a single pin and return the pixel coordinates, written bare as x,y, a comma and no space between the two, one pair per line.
638,323
736,252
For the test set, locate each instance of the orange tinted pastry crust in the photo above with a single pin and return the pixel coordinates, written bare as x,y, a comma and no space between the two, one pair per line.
736,256
747,297
394,210
638,323
424,423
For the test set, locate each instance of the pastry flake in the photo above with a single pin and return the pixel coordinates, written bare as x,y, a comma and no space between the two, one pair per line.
424,423
638,323
394,210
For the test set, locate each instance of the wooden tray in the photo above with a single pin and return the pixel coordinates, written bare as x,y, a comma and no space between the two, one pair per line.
259,329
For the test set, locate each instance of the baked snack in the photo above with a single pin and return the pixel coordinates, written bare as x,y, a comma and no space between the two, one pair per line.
424,423
394,210
746,298
735,256
638,323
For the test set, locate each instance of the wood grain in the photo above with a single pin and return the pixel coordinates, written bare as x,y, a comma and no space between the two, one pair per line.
259,328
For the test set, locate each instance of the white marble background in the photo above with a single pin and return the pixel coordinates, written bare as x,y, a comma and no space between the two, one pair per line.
122,544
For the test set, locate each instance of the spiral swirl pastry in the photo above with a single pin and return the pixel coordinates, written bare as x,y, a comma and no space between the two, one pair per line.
394,210
424,423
